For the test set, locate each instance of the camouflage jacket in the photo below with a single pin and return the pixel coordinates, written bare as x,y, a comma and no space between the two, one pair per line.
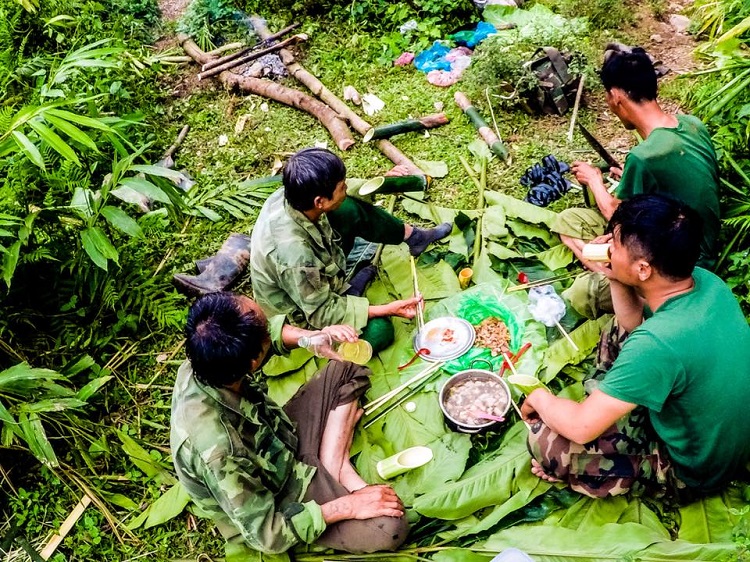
234,454
298,269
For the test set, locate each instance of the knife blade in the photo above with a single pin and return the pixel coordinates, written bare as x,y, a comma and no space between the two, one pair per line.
598,148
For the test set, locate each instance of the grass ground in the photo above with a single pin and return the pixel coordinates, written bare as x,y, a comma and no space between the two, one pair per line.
139,404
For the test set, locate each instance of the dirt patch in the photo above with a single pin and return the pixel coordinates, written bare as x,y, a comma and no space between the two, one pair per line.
172,9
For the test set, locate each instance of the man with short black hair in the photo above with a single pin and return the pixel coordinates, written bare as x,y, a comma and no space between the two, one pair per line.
676,394
676,158
300,242
272,478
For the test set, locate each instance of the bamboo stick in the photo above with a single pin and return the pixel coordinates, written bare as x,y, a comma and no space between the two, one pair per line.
567,335
252,56
382,400
65,528
575,109
264,43
420,386
540,282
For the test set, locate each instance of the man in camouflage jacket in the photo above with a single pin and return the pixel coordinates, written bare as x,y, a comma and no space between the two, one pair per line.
300,242
271,478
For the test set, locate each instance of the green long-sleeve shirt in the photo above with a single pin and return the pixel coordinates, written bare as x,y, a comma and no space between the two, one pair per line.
298,269
234,454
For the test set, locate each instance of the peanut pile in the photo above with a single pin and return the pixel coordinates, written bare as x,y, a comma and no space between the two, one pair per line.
493,334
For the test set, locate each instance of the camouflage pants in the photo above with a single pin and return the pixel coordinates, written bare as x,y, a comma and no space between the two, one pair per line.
623,458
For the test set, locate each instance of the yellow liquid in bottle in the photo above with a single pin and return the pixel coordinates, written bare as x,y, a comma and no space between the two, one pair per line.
359,352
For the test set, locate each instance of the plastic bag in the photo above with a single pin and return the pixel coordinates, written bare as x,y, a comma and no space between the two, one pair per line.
489,300
433,58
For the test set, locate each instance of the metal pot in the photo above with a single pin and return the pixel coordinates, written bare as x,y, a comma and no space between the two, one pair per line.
472,374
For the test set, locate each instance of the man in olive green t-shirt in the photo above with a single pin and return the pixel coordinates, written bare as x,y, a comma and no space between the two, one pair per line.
676,157
685,368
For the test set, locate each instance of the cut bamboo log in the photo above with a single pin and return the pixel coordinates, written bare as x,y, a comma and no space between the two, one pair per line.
241,53
335,103
328,117
406,126
252,56
485,131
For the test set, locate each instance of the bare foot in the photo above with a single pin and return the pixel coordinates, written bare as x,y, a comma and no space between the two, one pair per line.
538,471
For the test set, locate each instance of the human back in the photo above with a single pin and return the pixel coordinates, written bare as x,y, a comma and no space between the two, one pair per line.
679,162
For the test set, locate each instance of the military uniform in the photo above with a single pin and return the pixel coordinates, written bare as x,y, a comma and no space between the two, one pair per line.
245,464
298,267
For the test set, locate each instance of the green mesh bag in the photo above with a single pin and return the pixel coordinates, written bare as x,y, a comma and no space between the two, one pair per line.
489,300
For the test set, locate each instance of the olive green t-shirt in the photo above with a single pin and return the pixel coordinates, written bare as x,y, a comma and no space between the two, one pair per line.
689,364
679,162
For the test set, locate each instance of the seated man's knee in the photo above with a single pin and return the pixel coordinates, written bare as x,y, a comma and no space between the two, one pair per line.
550,449
364,536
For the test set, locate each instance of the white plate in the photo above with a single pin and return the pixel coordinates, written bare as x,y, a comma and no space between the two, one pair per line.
446,338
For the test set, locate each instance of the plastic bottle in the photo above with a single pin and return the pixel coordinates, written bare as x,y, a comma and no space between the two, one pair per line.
321,344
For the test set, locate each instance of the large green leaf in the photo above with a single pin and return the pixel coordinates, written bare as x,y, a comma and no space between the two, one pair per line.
10,261
29,148
36,438
72,131
520,209
159,171
145,187
489,482
92,250
561,353
608,542
12,378
79,119
140,458
170,504
556,257
93,387
51,405
121,221
54,141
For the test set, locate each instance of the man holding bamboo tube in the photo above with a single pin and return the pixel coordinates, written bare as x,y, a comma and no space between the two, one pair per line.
676,158
300,242
671,411
273,477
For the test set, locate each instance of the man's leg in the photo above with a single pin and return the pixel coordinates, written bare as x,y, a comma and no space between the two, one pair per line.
325,411
358,218
611,465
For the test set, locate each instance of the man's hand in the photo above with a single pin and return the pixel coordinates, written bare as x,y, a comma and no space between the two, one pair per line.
406,308
529,413
366,503
341,332
616,173
586,174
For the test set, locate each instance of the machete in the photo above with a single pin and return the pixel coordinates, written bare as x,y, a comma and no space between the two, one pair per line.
598,148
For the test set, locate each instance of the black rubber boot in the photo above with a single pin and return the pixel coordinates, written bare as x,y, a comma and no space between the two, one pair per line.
220,270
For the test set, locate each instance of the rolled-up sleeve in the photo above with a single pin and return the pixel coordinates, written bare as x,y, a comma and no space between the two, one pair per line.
265,526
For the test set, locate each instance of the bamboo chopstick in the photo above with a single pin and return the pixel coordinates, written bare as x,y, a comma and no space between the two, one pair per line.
420,312
420,386
545,281
380,401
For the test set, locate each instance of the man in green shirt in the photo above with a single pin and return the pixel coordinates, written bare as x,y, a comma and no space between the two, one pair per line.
676,158
685,367
300,242
271,478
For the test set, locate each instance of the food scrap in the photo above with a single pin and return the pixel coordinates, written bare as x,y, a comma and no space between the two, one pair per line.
493,334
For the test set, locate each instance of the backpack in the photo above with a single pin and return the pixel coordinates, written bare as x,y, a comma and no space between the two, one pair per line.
557,87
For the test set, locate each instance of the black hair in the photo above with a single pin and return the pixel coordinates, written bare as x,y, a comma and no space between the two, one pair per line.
311,173
663,231
631,70
222,339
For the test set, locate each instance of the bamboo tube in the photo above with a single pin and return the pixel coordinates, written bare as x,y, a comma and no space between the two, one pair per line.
406,126
488,135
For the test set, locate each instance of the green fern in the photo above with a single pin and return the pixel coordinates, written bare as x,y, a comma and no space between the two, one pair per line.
241,201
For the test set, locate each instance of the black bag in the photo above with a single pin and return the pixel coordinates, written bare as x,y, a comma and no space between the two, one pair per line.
557,87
